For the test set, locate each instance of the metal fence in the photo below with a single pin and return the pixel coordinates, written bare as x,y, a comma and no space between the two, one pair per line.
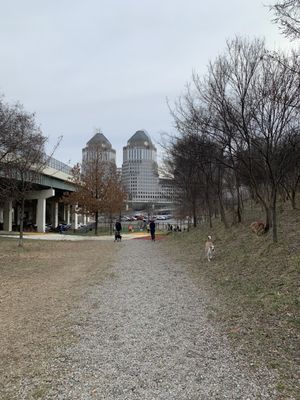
58,165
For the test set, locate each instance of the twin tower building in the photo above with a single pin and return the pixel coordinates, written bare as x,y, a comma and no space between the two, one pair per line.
140,176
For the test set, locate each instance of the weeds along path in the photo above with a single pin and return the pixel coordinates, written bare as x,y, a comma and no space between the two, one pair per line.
143,333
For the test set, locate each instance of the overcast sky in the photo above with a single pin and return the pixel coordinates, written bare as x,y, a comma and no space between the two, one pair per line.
111,64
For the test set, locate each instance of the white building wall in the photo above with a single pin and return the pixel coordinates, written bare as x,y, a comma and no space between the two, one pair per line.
140,175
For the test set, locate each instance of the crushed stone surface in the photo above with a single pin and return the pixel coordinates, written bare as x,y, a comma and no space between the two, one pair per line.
144,333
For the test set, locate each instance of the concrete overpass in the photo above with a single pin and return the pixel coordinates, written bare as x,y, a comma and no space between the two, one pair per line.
42,205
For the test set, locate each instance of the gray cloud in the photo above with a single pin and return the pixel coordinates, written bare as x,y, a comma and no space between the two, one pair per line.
111,64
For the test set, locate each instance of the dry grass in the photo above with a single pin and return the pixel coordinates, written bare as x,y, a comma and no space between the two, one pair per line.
40,285
256,288
254,284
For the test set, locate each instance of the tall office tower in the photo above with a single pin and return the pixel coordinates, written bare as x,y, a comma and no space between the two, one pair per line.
139,170
98,147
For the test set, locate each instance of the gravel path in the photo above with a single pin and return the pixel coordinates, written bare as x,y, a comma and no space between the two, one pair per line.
145,334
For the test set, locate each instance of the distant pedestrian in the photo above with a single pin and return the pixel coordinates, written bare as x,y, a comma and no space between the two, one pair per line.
152,230
118,228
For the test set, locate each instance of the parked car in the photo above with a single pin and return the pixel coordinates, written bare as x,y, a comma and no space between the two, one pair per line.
88,227
62,227
48,228
126,218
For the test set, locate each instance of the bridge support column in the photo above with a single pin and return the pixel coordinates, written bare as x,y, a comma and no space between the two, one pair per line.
41,197
41,215
67,214
74,218
55,214
7,216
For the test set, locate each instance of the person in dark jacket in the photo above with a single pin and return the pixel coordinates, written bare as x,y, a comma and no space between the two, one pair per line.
118,228
152,230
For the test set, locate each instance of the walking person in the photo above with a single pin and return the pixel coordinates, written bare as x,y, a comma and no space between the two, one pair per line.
60,228
152,230
118,228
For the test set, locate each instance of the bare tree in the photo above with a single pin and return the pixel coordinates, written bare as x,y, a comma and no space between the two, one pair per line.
10,135
259,105
115,194
287,15
192,160
275,111
183,165
11,142
248,103
291,174
89,198
99,190
23,158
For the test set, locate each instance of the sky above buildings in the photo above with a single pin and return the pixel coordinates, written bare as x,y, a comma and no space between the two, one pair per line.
111,64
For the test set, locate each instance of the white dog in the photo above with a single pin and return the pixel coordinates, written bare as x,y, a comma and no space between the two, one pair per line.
209,248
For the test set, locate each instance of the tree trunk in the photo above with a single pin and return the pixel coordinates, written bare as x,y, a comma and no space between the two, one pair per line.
265,207
222,211
274,217
216,209
194,215
110,224
268,217
220,198
208,207
96,222
210,218
21,236
239,203
293,199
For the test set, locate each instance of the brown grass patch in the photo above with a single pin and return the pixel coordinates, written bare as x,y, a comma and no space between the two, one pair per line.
40,284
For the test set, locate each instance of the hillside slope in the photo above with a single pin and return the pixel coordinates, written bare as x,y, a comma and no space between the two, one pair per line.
255,289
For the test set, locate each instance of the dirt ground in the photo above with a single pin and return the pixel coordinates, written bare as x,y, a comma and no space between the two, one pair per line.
39,286
46,283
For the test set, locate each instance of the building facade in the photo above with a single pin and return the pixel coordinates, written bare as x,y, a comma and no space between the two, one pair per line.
98,147
140,173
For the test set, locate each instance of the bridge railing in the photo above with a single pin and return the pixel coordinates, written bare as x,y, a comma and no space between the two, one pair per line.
58,165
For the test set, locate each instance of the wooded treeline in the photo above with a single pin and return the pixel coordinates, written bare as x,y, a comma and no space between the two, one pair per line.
238,132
